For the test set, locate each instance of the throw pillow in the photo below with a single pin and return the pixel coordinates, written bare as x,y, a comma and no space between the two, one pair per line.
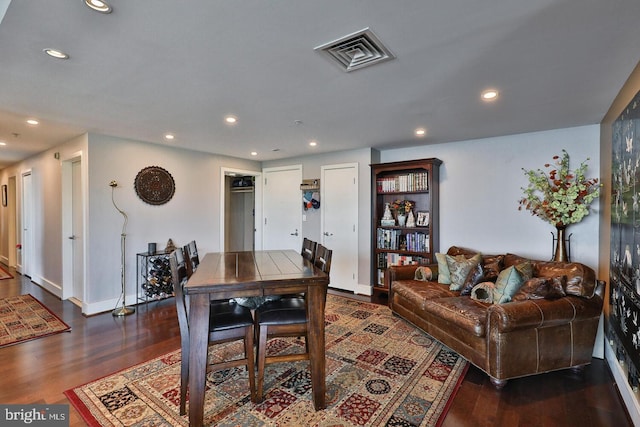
483,292
525,269
423,274
459,268
508,283
492,265
444,276
541,287
475,276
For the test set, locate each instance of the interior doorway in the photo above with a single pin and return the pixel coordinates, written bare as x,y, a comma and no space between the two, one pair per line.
240,211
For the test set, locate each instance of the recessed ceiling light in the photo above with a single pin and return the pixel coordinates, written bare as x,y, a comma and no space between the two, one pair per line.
33,122
421,132
313,143
169,137
98,6
254,153
231,120
489,95
55,53
3,143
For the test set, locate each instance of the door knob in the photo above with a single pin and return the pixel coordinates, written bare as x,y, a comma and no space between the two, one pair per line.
328,234
72,237
296,233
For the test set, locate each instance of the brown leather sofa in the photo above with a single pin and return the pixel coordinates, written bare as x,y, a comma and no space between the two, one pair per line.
508,340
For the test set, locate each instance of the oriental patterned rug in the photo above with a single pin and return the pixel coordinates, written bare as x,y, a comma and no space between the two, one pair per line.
24,318
380,371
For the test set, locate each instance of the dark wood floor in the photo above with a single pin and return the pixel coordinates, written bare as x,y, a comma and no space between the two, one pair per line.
39,371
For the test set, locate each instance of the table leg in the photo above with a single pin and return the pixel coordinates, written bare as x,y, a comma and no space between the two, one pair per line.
198,345
316,296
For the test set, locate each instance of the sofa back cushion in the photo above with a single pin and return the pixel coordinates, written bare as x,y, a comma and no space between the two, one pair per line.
581,280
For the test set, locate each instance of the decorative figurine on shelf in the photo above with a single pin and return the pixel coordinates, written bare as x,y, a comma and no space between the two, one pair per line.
170,246
411,220
387,217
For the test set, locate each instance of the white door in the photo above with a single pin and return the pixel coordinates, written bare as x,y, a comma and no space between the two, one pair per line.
27,243
77,235
339,212
282,208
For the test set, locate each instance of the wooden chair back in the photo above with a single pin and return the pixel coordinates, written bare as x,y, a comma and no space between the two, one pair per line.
308,249
323,258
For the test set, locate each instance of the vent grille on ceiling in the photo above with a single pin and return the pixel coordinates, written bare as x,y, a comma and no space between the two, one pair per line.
357,50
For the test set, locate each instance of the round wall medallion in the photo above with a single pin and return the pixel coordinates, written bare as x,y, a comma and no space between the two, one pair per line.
154,185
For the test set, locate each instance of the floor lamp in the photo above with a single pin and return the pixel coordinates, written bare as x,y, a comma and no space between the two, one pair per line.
124,310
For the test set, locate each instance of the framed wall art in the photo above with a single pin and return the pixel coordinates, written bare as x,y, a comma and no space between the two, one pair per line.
154,185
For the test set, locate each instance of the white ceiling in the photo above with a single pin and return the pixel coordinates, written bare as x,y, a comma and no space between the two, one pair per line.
158,66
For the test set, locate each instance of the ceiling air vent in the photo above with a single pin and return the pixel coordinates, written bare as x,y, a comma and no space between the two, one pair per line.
357,50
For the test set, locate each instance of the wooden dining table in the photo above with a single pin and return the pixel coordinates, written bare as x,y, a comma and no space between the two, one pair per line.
248,274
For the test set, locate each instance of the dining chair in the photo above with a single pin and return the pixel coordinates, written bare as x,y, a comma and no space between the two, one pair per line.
191,257
228,322
285,317
308,249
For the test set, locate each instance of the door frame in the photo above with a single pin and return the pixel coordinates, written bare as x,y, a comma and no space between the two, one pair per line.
257,196
67,225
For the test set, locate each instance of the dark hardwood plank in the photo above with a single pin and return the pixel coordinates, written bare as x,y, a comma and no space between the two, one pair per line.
39,371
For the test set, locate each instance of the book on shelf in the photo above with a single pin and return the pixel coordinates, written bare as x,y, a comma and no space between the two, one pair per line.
394,259
413,181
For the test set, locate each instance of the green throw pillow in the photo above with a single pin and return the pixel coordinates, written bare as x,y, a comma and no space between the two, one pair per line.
525,269
444,276
459,268
508,283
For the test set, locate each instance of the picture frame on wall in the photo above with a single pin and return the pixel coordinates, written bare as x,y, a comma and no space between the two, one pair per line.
4,195
422,219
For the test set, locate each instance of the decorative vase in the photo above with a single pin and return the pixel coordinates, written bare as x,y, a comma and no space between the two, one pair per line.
560,253
402,219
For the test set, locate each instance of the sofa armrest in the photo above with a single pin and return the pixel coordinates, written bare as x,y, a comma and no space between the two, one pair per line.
543,312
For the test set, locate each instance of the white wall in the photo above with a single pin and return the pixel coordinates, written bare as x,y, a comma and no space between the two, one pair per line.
192,213
480,185
480,189
46,182
311,166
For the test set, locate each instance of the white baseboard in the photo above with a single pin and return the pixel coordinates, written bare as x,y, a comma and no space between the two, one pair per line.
630,397
89,309
50,286
363,290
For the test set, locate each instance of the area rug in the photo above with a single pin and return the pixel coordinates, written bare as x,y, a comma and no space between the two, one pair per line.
24,318
4,274
380,371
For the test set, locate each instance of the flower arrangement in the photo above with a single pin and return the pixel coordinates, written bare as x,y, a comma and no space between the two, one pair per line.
402,207
561,196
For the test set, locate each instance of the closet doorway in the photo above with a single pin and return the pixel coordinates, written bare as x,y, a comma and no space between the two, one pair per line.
239,211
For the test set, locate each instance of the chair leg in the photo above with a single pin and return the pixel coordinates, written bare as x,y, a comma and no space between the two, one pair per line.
262,349
184,379
251,366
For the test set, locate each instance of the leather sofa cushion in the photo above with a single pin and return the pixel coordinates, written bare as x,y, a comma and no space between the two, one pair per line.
417,292
462,311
